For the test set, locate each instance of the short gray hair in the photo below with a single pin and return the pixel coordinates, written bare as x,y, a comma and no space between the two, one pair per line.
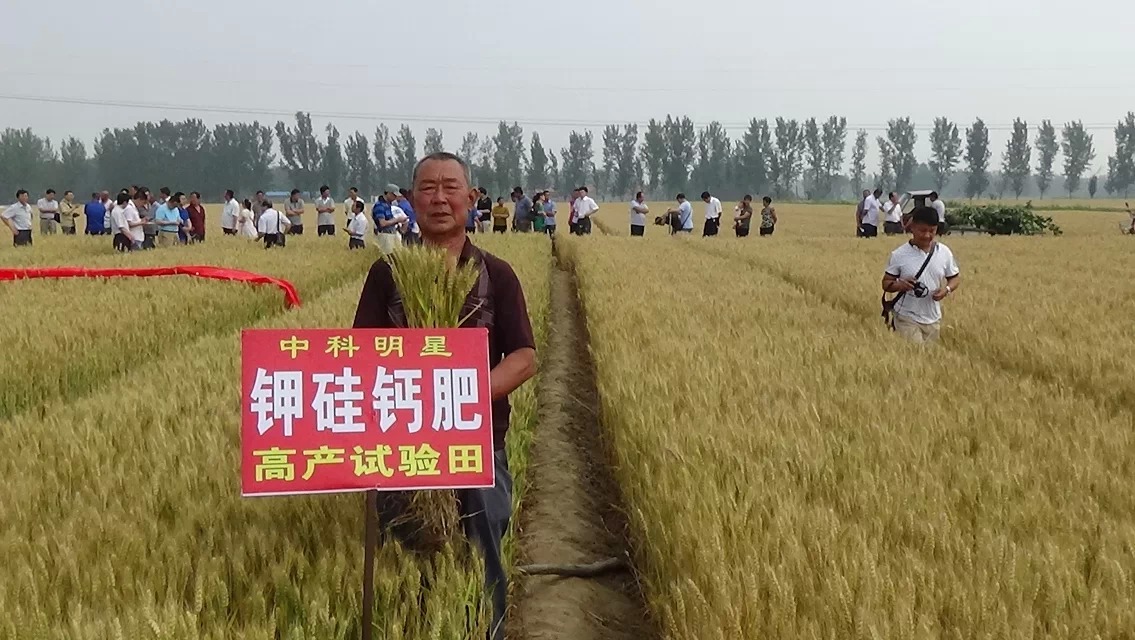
444,156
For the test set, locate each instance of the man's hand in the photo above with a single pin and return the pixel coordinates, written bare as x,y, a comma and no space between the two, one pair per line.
940,294
903,284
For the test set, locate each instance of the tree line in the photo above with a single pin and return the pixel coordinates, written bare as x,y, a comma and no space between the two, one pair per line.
784,157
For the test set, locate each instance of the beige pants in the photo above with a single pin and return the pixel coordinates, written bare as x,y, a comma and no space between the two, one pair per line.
47,226
166,239
916,331
388,242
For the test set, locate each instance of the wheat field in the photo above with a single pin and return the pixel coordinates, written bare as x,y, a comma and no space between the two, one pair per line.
788,467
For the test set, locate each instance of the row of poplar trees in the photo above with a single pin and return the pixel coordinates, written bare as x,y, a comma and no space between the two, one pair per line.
785,158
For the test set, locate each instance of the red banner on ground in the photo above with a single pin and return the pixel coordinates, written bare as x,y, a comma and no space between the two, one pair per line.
328,410
291,298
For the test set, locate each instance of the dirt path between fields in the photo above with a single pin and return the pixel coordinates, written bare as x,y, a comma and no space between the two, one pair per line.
571,515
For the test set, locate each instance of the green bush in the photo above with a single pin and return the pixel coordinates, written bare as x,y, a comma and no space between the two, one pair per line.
1002,220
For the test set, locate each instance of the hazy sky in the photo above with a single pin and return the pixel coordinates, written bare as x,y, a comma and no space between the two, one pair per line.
554,66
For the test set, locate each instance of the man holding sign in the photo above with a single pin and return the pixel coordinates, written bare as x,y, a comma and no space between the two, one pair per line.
441,196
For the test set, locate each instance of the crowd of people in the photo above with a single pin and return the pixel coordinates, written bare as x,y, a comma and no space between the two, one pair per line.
871,209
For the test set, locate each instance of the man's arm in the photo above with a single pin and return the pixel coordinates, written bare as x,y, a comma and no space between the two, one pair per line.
895,284
516,368
952,283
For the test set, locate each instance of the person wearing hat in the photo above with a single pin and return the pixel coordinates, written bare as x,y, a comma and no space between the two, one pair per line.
387,221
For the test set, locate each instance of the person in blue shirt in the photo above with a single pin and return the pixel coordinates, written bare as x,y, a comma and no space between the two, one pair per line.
182,236
382,211
96,216
168,219
412,235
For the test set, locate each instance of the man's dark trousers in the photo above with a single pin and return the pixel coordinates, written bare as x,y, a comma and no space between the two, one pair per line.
485,515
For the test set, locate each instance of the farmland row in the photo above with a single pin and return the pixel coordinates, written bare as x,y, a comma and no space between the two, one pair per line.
75,335
1019,307
123,517
790,474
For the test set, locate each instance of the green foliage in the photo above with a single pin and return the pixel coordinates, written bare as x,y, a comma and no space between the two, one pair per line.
859,163
1047,147
945,151
1015,162
1078,154
902,137
1002,220
977,158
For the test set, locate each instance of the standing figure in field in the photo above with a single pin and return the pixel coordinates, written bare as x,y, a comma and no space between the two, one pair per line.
743,216
712,214
325,212
68,211
869,228
294,209
484,210
922,273
349,204
196,212
522,213
638,215
357,228
892,224
682,216
500,216
940,208
48,213
443,196
859,210
18,218
768,217
246,221
273,226
585,207
231,214
549,213
411,231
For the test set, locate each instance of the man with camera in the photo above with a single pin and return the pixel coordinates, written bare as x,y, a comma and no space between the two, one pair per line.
922,272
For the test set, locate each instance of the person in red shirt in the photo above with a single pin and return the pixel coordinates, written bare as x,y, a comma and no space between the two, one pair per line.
196,218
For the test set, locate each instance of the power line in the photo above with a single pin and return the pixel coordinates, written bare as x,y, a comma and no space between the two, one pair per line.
404,118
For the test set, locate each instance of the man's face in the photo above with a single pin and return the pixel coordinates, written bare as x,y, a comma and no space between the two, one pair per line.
354,193
68,196
442,197
50,196
105,195
260,196
705,199
22,198
193,198
922,233
324,193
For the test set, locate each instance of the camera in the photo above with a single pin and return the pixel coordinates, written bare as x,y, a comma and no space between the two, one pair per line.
919,290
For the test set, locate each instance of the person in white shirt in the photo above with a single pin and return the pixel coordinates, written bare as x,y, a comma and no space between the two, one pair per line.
230,214
892,223
682,216
122,239
940,208
869,228
638,215
48,212
357,228
246,221
273,226
349,203
134,222
922,272
585,207
18,218
325,212
712,214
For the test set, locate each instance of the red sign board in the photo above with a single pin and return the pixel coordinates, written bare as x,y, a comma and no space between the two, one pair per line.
329,410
